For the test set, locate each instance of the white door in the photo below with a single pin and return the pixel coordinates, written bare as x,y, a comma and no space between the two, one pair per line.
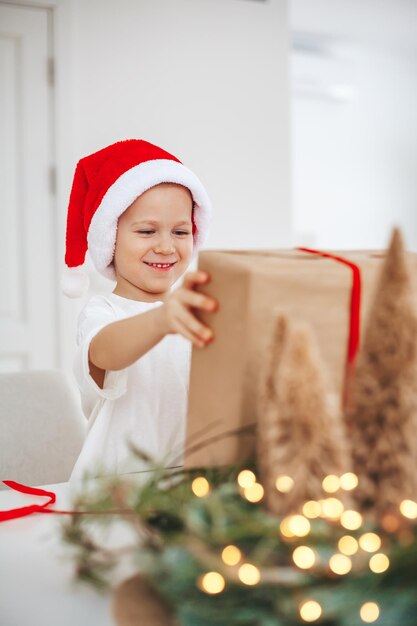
27,272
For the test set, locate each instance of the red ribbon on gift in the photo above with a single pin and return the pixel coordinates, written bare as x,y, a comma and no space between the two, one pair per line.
354,315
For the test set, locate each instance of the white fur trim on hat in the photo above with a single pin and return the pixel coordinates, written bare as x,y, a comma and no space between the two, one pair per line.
74,282
124,191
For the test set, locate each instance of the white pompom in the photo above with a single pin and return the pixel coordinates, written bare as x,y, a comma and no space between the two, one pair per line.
74,282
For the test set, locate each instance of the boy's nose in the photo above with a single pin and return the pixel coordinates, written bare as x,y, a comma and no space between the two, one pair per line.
164,246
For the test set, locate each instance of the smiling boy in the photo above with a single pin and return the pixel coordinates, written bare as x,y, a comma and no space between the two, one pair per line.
143,213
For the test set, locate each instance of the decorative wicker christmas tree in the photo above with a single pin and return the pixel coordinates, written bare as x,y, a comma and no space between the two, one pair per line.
382,418
299,435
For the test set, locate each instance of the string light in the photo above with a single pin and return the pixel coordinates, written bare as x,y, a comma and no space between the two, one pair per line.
295,526
312,509
331,483
369,612
310,611
340,564
284,483
348,545
254,493
246,478
211,583
379,563
409,509
249,574
351,520
390,523
348,481
332,508
304,557
200,486
370,542
231,555
285,529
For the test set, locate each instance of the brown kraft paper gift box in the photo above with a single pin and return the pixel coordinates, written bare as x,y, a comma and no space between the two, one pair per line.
252,286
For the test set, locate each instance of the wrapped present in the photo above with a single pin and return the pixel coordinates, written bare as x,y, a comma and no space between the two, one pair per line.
332,293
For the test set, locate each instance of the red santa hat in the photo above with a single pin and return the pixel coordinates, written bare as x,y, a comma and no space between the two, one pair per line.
105,185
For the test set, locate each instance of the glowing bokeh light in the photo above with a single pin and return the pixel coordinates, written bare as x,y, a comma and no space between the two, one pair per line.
312,509
304,557
295,526
299,525
246,478
200,486
370,542
379,563
249,574
254,493
348,545
348,481
231,555
351,520
331,483
340,564
390,523
211,583
369,612
332,508
409,509
284,483
310,611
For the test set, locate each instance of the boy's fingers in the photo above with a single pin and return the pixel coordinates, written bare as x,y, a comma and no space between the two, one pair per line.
195,278
185,332
197,338
195,326
198,300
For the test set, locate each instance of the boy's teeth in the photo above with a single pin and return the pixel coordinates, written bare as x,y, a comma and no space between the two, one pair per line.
160,264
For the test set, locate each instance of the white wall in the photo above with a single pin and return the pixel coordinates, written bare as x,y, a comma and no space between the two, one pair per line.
205,79
354,159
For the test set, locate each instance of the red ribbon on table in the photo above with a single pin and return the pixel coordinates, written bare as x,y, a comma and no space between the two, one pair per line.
32,508
43,508
354,314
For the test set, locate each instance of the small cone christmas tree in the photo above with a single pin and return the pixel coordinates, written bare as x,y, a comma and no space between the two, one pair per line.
382,416
135,603
268,430
298,434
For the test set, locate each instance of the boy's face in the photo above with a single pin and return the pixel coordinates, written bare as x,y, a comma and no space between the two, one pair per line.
155,231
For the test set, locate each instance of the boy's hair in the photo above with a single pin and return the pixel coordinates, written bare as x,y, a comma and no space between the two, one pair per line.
105,185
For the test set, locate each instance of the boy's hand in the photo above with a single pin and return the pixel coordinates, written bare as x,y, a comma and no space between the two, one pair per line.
177,309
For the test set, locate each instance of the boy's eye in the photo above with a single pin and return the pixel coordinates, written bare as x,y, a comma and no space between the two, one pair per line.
151,232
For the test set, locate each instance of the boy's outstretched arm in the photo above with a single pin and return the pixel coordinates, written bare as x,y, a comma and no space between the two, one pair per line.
121,343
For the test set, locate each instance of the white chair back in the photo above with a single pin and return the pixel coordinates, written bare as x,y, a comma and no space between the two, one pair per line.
42,428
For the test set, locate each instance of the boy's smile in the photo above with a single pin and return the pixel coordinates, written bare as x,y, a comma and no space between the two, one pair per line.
164,267
154,243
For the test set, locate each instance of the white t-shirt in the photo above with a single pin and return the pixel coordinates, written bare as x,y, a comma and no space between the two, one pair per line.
146,403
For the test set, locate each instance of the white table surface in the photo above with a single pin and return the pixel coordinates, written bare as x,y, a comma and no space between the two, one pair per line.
37,584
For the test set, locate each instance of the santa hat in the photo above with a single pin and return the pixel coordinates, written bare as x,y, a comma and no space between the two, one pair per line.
105,185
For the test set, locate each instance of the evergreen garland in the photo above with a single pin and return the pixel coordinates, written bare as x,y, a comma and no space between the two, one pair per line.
181,537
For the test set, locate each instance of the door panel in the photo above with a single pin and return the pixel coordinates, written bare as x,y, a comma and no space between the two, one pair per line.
27,275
